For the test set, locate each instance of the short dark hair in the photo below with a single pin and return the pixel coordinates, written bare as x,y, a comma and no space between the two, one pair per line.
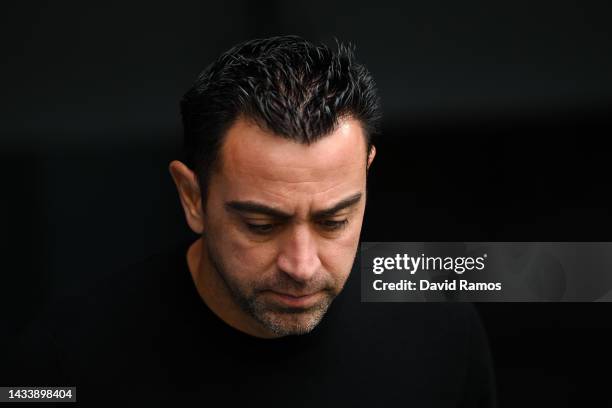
286,85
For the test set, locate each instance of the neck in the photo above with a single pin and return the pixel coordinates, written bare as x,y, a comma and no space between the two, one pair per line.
215,293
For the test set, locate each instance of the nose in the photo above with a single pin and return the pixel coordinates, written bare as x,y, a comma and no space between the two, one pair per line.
298,255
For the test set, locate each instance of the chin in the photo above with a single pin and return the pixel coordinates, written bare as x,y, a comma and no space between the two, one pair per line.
292,323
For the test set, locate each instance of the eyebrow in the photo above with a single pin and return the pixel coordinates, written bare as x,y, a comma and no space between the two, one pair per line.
258,208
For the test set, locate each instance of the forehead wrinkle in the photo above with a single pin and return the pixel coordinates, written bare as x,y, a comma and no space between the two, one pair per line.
277,181
277,177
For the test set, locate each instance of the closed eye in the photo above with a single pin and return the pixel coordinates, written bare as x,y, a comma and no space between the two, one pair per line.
261,229
268,228
333,225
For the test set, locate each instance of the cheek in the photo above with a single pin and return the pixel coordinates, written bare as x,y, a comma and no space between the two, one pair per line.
337,255
244,259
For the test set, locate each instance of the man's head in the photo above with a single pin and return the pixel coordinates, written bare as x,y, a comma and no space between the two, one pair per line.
277,138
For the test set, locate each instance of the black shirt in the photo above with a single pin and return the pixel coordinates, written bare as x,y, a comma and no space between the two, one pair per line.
145,336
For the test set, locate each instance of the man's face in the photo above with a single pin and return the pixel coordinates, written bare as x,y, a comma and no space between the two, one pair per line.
282,221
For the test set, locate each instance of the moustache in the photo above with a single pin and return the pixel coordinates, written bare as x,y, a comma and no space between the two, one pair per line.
285,284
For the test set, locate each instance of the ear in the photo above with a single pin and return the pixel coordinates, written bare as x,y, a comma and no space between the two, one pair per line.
188,189
371,155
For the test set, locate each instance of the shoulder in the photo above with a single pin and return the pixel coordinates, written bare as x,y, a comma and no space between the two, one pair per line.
441,349
437,325
434,322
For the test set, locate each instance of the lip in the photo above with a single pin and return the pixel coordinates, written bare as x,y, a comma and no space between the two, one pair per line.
296,301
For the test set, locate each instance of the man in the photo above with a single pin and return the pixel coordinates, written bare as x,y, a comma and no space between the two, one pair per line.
284,129
260,308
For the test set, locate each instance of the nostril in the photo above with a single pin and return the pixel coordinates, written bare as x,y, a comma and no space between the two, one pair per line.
300,269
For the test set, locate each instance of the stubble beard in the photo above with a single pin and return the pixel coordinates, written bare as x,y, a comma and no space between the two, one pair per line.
281,321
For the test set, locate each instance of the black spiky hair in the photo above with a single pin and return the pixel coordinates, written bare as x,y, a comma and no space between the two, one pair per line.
286,85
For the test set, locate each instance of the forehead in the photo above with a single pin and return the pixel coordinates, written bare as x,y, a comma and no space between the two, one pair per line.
258,165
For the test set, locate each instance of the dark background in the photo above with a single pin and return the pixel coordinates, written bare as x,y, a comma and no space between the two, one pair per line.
496,128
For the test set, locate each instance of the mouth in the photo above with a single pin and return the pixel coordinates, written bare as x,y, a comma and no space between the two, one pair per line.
296,301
